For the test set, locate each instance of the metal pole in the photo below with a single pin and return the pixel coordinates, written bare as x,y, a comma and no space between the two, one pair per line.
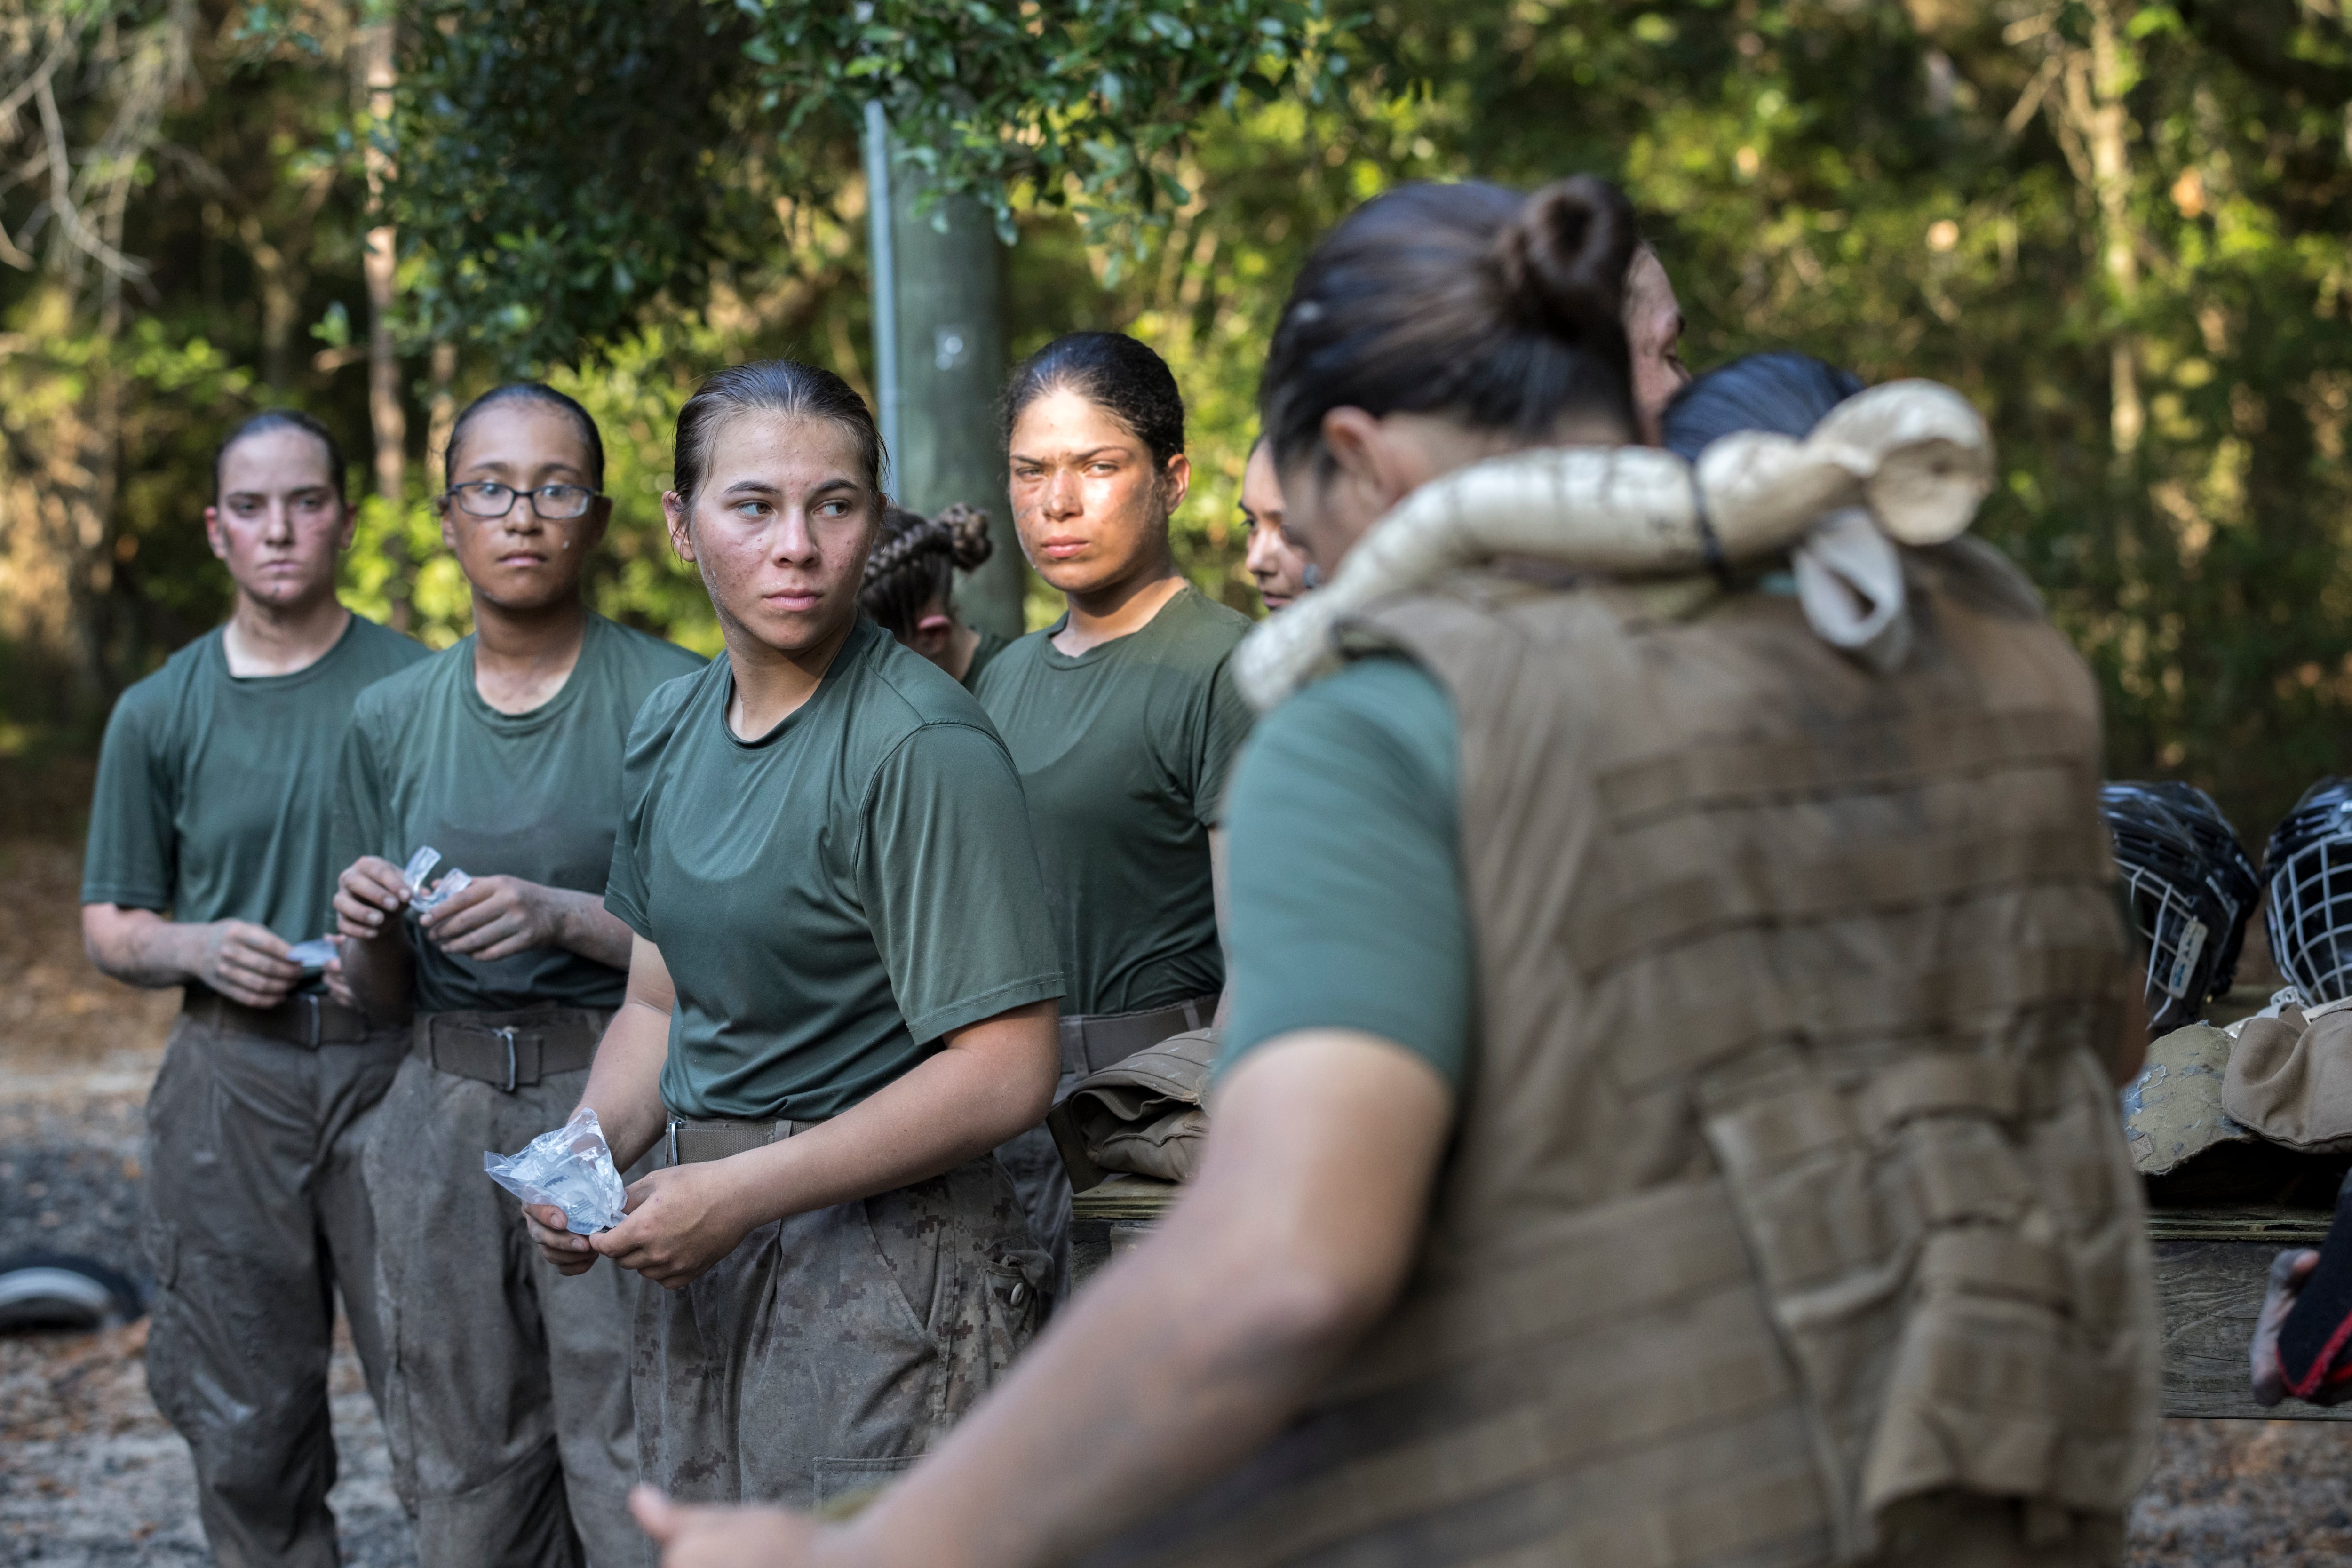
883,261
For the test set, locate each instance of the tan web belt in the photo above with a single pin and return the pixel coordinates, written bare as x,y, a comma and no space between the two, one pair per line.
1095,1041
512,1051
692,1141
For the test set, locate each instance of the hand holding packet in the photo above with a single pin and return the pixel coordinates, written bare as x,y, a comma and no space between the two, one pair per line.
313,954
420,866
571,1168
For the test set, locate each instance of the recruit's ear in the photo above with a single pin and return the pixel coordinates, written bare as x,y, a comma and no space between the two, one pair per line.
679,516
213,534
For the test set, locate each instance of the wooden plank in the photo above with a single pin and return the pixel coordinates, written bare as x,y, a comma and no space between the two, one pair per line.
2210,1293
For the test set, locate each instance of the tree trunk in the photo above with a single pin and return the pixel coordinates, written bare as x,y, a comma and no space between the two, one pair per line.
387,418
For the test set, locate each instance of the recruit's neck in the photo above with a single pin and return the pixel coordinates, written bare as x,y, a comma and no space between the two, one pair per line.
263,639
522,658
771,683
1109,613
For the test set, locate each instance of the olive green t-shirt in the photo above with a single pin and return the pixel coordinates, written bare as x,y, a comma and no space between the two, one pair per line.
834,896
982,654
1123,750
216,793
1344,870
535,795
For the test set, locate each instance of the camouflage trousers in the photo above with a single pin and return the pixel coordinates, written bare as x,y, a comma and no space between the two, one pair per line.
254,1216
507,1392
831,1350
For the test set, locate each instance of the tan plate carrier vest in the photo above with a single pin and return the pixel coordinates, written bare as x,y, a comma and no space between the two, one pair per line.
1789,1182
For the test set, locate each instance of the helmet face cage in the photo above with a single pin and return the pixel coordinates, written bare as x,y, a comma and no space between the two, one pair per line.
2181,902
2311,919
2307,867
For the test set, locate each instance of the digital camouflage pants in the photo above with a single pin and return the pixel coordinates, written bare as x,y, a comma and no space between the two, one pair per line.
830,1351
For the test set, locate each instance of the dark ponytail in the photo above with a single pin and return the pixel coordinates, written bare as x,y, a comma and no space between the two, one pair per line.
914,563
1468,300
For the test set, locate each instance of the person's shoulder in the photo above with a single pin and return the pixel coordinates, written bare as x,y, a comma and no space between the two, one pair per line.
1197,623
374,644
654,658
153,700
415,682
665,705
909,692
1013,661
1386,704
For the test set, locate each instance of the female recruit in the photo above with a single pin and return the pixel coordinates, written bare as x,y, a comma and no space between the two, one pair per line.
1120,715
819,1036
512,1440
910,587
1624,977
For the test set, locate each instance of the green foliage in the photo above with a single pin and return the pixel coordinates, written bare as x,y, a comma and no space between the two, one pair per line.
1083,104
557,167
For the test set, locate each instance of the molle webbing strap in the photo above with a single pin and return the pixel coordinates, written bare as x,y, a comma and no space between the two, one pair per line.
1507,1424
1827,1006
691,1141
1916,750
1091,1042
1757,887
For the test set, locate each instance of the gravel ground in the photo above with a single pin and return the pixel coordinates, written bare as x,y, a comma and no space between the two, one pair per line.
90,1475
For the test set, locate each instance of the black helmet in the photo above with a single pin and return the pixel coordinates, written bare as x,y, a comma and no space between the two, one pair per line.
2183,916
2228,868
2308,869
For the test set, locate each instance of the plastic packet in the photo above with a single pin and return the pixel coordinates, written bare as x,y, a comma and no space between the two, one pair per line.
315,953
420,866
572,1168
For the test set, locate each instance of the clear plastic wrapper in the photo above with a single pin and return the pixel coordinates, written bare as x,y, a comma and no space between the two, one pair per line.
315,953
420,866
572,1168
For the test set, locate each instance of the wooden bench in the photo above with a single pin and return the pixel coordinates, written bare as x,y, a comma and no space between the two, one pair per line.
2211,1268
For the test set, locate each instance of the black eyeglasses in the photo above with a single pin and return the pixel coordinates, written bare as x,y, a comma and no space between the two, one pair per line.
552,504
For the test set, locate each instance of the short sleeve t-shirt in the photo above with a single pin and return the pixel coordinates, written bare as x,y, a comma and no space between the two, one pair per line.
834,896
216,792
1345,869
984,654
1123,750
535,795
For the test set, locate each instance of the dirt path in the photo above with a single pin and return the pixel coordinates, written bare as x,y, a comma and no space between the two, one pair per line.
92,1476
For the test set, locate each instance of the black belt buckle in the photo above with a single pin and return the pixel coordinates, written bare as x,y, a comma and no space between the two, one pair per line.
314,1022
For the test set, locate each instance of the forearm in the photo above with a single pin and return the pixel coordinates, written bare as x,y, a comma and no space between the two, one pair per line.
139,947
625,1084
584,926
1289,1246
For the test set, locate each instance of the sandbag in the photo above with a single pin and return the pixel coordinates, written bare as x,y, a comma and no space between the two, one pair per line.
2173,1111
1141,1115
2290,1080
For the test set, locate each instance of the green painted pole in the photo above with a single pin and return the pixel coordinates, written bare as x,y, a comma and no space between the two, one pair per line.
950,336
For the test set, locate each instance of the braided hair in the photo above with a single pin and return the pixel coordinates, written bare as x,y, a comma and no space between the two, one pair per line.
914,562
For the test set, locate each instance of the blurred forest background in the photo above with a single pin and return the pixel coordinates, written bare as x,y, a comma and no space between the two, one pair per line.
2121,228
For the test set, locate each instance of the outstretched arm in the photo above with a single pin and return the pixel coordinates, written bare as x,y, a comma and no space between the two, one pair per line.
243,961
1295,1238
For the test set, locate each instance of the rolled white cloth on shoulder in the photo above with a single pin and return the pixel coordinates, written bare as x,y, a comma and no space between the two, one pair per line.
1912,458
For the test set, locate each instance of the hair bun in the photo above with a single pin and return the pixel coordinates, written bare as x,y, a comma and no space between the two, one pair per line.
967,532
1562,259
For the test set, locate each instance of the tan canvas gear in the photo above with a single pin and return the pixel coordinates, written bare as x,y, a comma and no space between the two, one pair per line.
1788,1192
1091,1042
2290,1080
1142,1115
511,1050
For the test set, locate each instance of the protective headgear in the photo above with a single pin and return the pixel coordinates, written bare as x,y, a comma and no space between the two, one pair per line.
2229,869
2308,869
2177,897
